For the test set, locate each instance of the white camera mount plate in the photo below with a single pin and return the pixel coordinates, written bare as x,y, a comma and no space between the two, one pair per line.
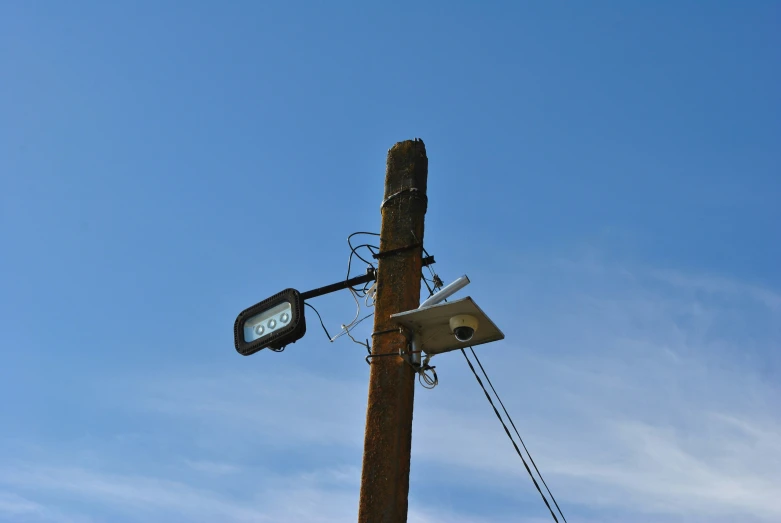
431,326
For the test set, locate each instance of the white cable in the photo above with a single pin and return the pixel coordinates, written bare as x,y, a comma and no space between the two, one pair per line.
430,382
371,294
347,327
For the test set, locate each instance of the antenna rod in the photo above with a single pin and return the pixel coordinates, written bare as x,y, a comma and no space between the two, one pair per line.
446,292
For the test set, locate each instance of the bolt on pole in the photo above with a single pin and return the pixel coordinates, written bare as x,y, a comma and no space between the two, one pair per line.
388,437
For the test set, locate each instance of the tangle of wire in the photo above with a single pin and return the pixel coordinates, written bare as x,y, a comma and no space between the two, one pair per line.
367,292
354,253
430,381
427,375
426,381
438,284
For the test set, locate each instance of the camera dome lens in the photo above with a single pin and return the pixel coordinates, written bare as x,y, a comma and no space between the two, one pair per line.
464,333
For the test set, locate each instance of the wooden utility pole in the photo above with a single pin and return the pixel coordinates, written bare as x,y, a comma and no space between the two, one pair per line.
388,439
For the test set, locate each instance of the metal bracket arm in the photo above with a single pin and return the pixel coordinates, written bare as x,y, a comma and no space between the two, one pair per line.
371,275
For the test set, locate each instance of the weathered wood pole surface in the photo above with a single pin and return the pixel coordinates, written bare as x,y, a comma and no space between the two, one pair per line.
388,438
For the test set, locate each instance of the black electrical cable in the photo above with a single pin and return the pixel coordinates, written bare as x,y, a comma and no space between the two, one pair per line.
360,291
488,397
364,344
431,293
321,320
357,233
517,433
362,232
354,252
431,270
353,249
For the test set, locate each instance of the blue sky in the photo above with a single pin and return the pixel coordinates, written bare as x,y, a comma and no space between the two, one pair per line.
608,175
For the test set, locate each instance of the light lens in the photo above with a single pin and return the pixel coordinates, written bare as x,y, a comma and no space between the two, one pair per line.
273,319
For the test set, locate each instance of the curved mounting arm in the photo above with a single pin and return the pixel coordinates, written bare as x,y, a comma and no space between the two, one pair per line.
371,275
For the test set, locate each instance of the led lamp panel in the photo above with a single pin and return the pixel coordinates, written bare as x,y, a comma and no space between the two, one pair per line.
274,322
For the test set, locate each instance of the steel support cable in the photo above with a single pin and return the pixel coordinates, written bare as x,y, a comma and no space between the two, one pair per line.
488,397
517,433
431,293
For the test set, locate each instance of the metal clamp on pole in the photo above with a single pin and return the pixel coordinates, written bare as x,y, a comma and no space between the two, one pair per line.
417,193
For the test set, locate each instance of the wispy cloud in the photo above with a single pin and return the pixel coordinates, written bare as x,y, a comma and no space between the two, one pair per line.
720,285
14,507
318,496
212,467
143,493
640,404
13,504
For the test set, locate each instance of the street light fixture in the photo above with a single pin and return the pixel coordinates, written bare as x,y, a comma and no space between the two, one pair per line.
272,323
279,320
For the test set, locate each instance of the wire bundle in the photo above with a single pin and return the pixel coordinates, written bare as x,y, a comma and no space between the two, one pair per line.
367,292
427,376
437,282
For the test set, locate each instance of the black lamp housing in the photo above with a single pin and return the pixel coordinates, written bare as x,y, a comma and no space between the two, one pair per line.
272,323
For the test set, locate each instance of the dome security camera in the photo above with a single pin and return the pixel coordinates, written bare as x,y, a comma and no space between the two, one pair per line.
434,326
463,327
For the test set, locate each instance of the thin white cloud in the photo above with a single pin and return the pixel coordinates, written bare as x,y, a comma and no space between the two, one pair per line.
212,467
637,406
139,492
13,504
14,507
719,285
641,413
291,409
438,515
318,497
